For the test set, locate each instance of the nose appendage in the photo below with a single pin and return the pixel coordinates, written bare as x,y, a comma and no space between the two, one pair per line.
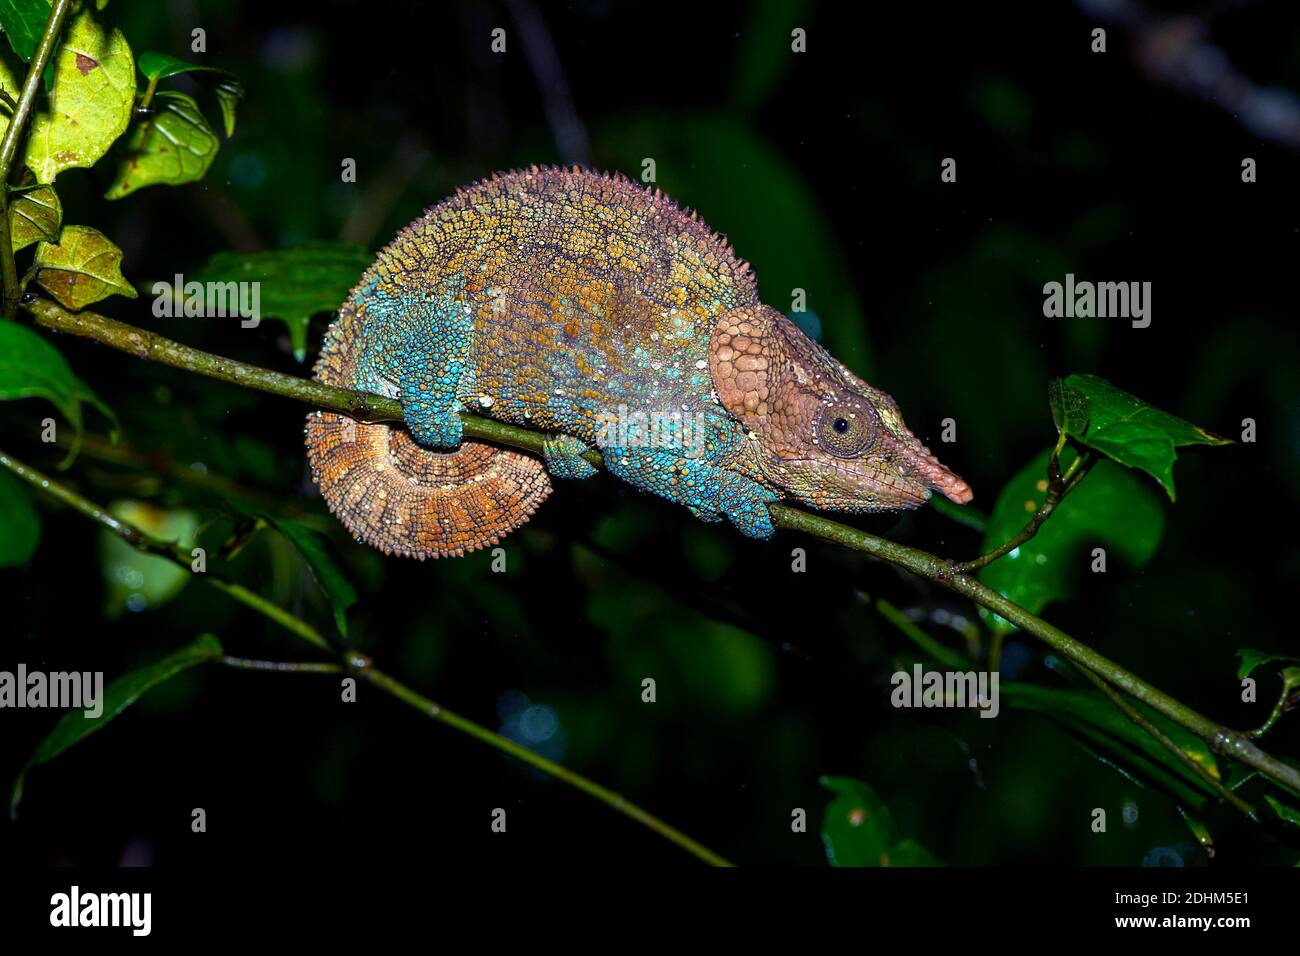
933,474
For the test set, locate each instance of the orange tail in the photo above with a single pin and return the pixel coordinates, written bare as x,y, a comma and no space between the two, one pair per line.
407,500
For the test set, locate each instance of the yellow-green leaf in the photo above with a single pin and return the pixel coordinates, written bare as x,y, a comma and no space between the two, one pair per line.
81,268
90,105
34,216
175,145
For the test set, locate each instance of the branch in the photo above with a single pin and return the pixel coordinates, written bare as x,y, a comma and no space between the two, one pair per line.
9,149
374,408
351,661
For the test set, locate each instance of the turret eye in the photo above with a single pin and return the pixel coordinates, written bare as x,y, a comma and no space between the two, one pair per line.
843,431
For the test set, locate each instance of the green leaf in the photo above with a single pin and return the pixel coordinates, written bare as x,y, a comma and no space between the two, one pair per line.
1290,814
765,55
1115,740
1069,407
83,267
315,549
229,93
296,283
858,829
36,216
1121,426
138,581
90,106
23,21
20,523
172,146
1252,659
910,853
1290,674
31,367
118,695
1110,508
159,66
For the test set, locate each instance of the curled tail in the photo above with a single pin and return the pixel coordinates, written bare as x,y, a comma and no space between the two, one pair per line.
402,498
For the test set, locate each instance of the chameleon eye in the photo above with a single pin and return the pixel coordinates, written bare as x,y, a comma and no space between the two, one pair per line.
842,431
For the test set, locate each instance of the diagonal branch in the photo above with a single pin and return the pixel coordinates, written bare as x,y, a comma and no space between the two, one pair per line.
949,574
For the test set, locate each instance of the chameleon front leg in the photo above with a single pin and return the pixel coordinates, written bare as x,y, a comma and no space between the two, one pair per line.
417,348
708,489
699,478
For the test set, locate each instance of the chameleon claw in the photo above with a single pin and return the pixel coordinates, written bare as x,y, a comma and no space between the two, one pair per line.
563,454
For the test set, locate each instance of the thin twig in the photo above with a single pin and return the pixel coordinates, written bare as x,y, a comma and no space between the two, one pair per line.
1135,715
1058,486
283,667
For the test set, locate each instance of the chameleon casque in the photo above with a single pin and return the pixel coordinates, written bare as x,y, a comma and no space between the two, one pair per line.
599,312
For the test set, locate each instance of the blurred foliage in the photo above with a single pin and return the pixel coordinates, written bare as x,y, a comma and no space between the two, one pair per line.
822,170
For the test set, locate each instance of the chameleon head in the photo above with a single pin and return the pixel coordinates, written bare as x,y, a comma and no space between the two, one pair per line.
818,432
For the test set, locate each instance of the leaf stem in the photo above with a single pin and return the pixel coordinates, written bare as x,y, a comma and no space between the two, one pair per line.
1058,486
949,574
9,150
352,662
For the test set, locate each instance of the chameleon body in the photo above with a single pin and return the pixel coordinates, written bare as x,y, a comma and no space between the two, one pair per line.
599,312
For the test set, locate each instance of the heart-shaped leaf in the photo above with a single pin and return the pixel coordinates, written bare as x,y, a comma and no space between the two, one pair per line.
1121,426
858,829
90,105
35,216
117,697
82,267
173,145
1110,508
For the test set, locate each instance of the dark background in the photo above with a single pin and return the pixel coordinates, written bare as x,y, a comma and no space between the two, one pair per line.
823,169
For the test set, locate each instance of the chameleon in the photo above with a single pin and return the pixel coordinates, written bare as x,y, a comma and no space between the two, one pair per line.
603,314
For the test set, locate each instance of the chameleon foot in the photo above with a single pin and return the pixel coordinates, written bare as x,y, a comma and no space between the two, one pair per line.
431,363
563,454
